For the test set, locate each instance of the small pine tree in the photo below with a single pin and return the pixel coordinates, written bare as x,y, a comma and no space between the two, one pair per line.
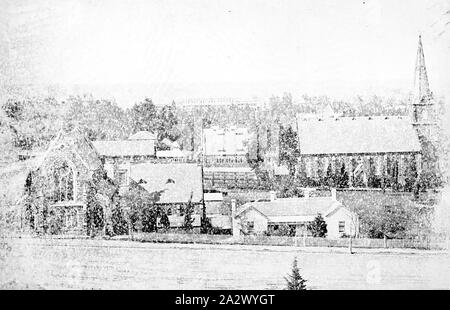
318,227
188,219
294,281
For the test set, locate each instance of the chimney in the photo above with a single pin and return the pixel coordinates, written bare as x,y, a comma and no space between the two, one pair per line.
273,195
234,223
333,194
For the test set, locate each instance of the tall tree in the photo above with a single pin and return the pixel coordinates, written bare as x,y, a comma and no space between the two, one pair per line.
289,151
167,123
188,215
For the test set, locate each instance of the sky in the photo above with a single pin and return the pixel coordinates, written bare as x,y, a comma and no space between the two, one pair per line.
208,48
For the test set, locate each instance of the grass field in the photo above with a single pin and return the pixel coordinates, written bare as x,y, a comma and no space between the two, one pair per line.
107,264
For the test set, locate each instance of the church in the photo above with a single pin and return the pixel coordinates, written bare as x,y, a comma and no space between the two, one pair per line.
73,169
371,151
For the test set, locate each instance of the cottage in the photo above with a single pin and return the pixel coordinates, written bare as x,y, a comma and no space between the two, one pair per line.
295,213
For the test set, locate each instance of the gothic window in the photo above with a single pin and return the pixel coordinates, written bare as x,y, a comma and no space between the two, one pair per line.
72,218
122,177
63,180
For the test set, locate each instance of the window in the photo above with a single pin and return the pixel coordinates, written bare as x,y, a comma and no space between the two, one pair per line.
122,177
63,182
342,226
72,218
250,226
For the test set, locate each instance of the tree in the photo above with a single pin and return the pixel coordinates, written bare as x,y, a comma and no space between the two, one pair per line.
188,212
94,211
164,221
167,123
141,208
119,222
330,177
289,148
342,177
295,281
318,227
144,116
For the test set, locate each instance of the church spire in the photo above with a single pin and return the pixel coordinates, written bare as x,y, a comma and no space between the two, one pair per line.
421,86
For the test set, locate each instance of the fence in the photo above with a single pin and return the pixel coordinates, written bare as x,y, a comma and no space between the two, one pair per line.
291,241
344,242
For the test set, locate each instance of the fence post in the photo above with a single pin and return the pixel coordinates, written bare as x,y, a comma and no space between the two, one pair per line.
350,245
385,241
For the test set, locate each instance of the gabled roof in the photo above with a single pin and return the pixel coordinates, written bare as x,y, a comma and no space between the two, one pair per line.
358,135
293,209
143,135
79,145
125,148
177,181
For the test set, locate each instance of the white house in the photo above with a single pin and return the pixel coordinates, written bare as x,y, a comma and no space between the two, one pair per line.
295,213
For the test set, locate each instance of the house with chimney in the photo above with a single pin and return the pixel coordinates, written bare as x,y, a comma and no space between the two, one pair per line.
268,217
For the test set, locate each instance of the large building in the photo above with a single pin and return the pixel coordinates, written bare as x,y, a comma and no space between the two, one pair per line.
371,151
363,150
225,156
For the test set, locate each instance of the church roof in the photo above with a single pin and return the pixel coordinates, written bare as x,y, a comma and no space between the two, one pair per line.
357,135
143,135
176,181
80,146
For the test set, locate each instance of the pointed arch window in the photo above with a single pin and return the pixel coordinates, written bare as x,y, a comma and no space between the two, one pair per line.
63,181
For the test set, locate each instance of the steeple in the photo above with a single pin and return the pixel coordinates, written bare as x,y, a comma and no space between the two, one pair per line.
421,85
423,113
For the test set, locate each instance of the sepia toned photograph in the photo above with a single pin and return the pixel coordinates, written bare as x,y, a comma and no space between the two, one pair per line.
218,145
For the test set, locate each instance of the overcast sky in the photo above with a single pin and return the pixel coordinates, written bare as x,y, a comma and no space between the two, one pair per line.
234,48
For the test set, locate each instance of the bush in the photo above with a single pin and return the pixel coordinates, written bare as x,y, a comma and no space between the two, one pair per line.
318,227
55,221
119,222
